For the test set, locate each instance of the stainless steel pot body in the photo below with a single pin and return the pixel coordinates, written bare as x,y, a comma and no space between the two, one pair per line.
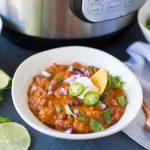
55,19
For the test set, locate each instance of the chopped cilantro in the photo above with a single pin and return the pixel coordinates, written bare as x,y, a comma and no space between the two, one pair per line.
115,82
107,116
82,118
58,78
121,101
96,126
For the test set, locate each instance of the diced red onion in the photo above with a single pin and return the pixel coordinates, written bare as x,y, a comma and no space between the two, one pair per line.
87,74
75,72
50,92
34,88
59,122
67,81
63,91
75,111
68,131
72,78
77,76
102,106
46,74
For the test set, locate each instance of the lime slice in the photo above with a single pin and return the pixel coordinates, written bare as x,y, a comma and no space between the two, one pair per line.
14,137
5,81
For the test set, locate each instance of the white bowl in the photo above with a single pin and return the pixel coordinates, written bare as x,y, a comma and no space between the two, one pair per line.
67,55
143,15
0,25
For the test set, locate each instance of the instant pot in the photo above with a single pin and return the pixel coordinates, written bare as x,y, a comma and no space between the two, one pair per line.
68,19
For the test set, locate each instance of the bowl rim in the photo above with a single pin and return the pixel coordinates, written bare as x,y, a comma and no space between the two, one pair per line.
143,27
62,135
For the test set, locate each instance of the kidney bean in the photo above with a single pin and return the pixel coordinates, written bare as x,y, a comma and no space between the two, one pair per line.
113,122
74,103
101,120
111,110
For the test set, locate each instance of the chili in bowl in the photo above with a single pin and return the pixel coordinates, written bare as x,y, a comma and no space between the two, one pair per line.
67,95
65,98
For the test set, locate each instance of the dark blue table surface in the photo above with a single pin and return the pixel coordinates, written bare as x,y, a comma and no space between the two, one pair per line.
12,55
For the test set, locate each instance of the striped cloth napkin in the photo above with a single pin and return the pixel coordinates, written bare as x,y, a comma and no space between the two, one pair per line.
139,63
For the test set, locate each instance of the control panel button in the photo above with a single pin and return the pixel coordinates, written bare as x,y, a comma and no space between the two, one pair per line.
95,9
95,1
129,3
114,6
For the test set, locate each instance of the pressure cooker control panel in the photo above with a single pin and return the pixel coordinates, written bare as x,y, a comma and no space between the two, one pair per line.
103,10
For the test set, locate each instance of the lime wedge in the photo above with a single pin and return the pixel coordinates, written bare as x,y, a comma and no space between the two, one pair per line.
5,81
14,137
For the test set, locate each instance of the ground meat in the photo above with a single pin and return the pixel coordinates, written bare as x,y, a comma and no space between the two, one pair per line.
114,102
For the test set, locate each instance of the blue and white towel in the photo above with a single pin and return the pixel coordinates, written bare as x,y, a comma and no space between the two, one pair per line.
139,63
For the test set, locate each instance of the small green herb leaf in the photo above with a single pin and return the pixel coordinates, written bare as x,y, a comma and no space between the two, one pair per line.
1,97
58,78
121,101
3,120
107,116
96,126
115,82
58,109
82,118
